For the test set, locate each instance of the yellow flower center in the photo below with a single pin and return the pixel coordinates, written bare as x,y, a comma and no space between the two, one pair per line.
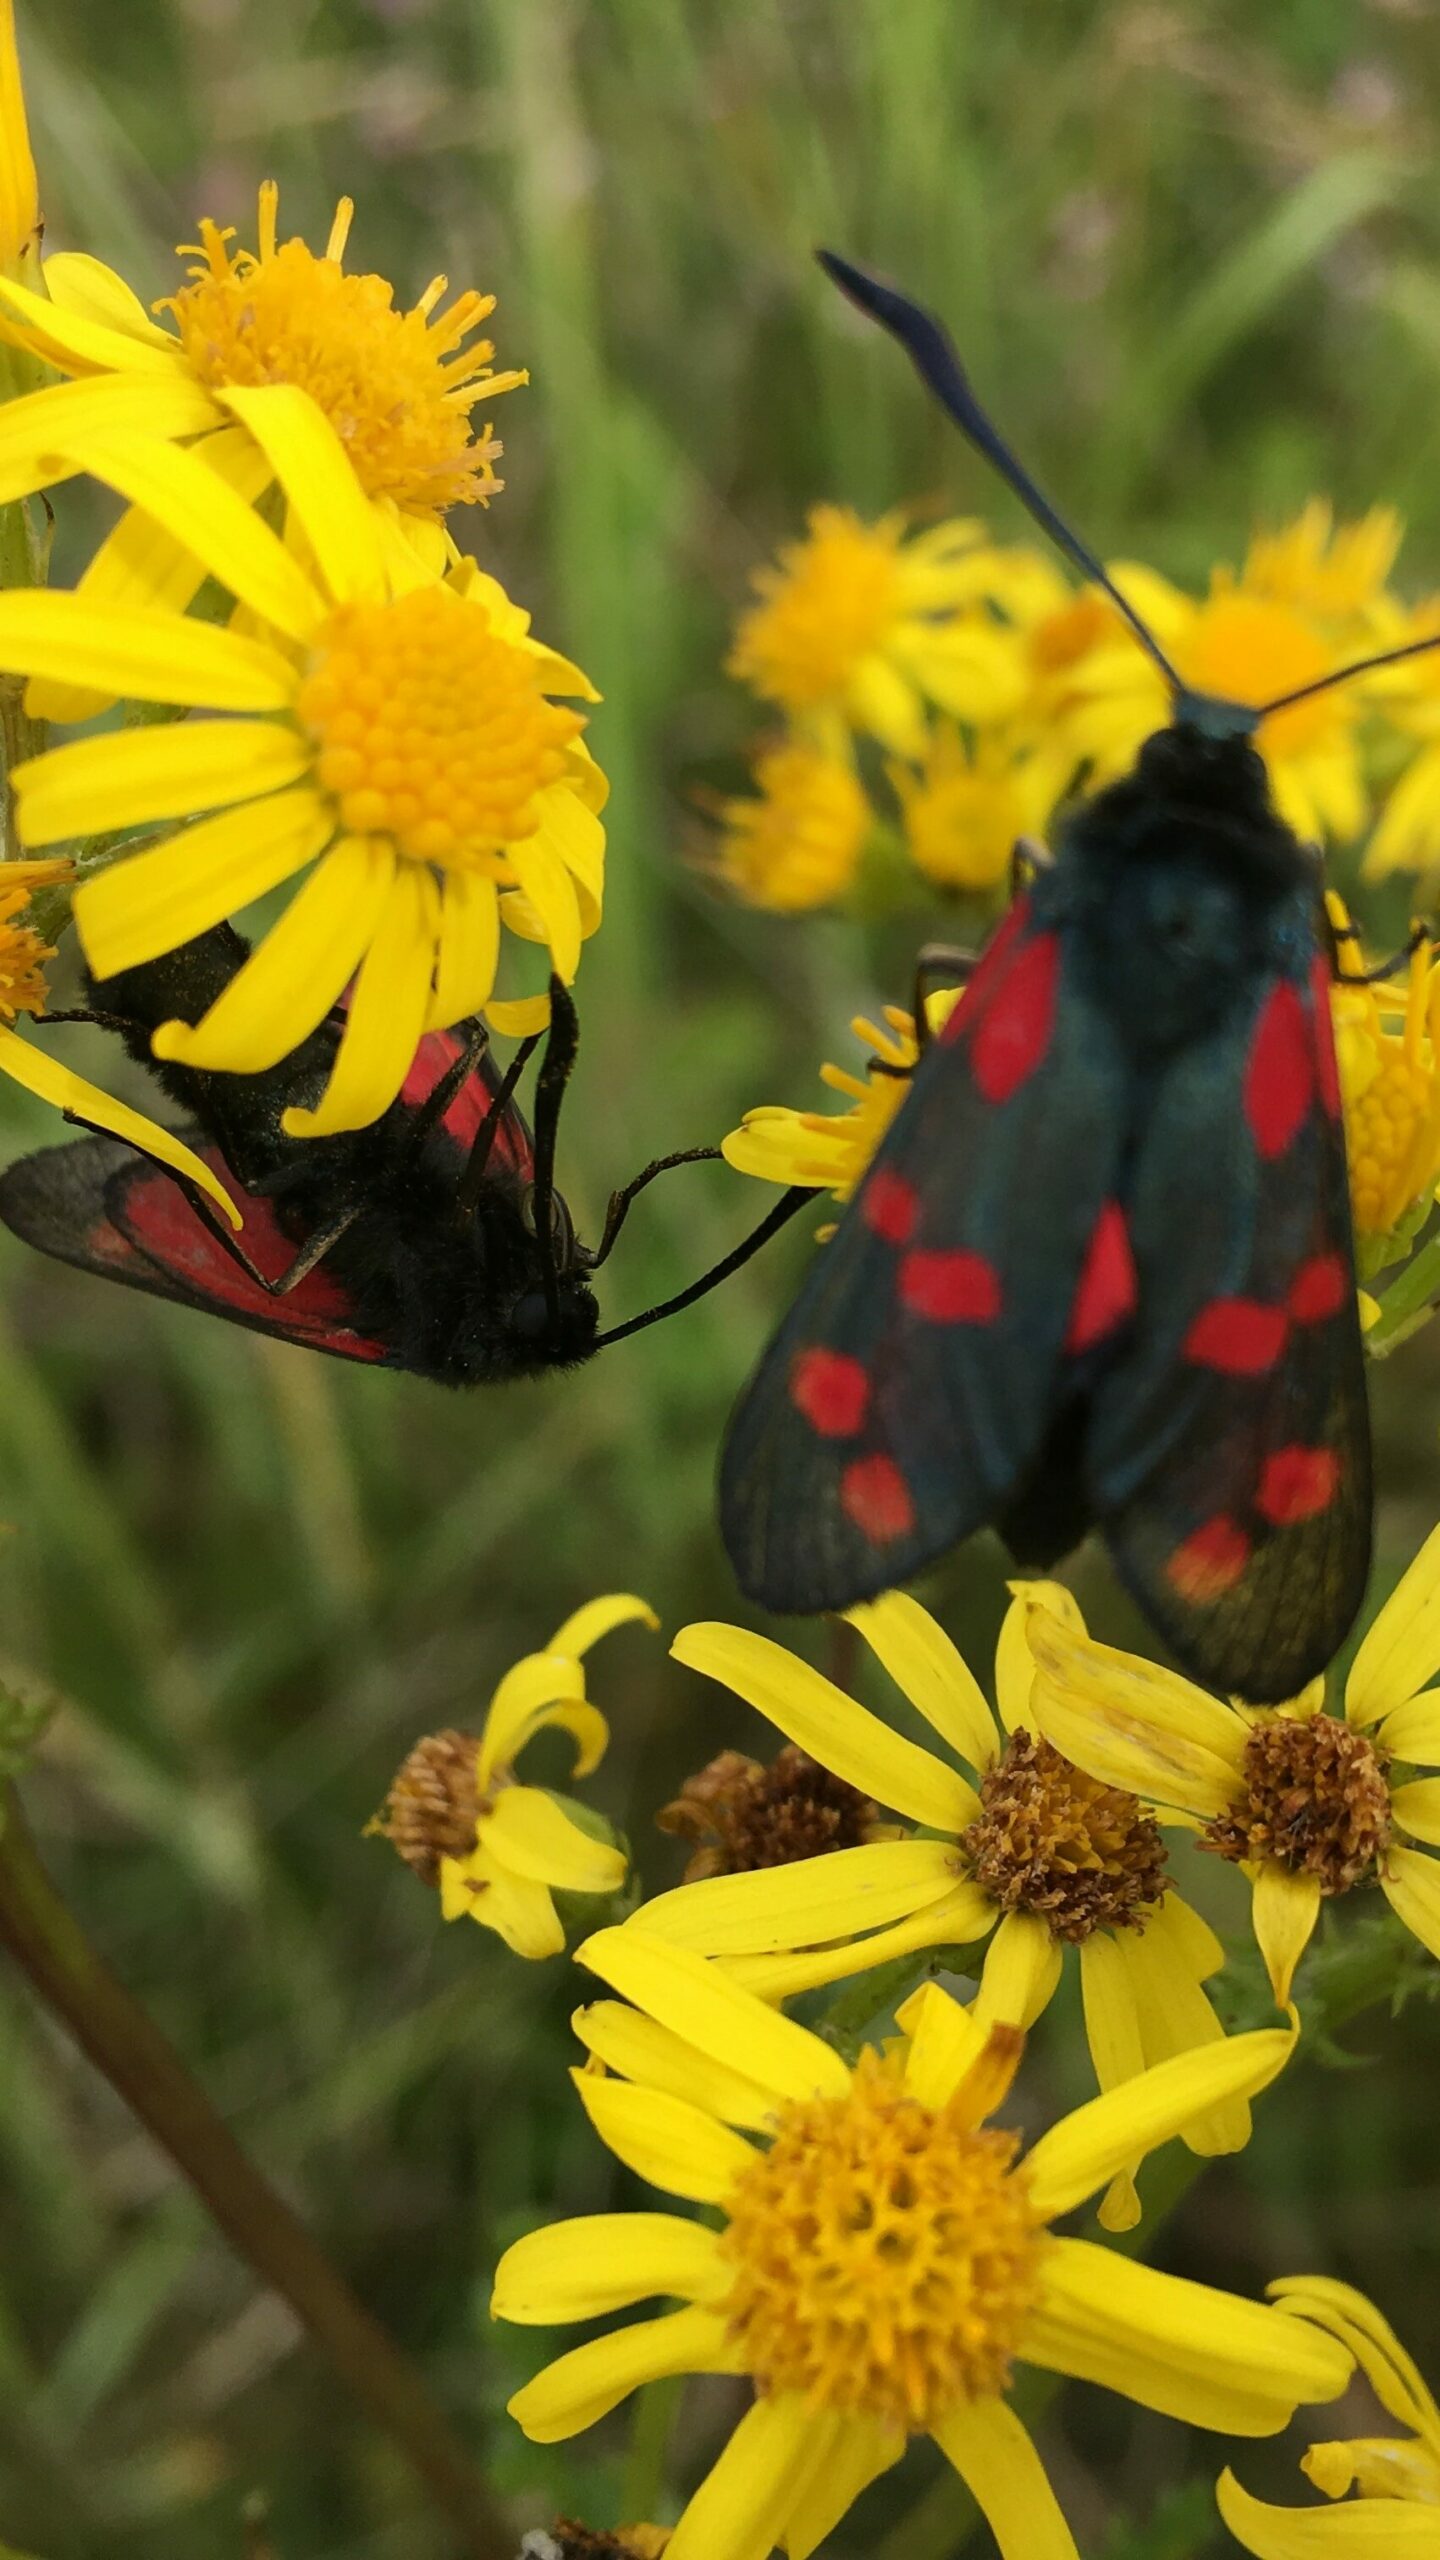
1315,1800
431,729
961,824
829,604
797,845
397,386
1247,649
22,970
886,2254
1064,637
1386,1127
1051,1840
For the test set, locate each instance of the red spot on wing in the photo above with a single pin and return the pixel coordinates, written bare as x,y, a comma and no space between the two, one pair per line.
874,1494
1319,1289
890,1205
1296,1483
1238,1336
831,1390
950,1288
1012,1037
1327,1072
1279,1072
1210,1561
1107,1290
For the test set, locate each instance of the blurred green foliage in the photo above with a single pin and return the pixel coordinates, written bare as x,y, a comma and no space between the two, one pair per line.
1193,251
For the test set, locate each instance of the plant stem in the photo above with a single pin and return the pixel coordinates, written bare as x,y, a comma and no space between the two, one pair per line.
642,2484
124,2044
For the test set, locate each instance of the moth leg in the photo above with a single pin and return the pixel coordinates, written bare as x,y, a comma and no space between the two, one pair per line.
620,1201
437,1102
1415,940
307,1258
120,1022
1028,857
937,964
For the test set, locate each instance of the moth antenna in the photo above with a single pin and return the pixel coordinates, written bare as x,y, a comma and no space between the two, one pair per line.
1342,675
931,350
561,1045
786,1207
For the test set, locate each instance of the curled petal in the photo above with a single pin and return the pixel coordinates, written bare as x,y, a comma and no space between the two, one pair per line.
1370,2531
592,2380
1285,1909
528,1832
1079,2154
606,2262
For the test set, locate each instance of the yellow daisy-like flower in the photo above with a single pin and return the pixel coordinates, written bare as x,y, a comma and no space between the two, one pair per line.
1397,2477
862,626
796,843
1031,1851
966,807
831,1151
884,2258
394,731
19,192
1304,1801
1406,836
23,959
398,387
1337,572
1390,1079
500,1851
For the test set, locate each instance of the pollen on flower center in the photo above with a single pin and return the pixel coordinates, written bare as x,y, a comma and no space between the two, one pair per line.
741,1815
1053,1841
433,1805
1382,1127
828,605
1316,1801
397,386
429,728
22,970
886,2254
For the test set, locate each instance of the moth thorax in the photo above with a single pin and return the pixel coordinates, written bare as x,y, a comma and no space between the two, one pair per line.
433,1805
1051,1840
1316,1801
741,1815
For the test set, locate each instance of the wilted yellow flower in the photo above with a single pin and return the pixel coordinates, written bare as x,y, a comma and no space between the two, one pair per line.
863,626
1303,1801
398,735
831,1150
500,1851
965,807
1024,1850
884,2257
797,843
1394,2475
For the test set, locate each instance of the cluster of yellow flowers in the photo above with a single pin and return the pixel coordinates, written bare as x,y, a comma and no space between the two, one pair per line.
943,694
373,724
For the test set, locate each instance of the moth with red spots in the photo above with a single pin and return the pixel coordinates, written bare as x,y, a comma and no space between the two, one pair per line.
1101,1270
434,1241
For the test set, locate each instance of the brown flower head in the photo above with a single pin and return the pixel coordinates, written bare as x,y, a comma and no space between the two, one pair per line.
1316,1801
1053,1841
741,1815
433,1805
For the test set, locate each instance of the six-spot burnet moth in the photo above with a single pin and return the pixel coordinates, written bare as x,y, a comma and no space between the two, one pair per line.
1100,1271
433,1241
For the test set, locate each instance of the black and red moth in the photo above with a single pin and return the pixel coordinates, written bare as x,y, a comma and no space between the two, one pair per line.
1101,1270
434,1241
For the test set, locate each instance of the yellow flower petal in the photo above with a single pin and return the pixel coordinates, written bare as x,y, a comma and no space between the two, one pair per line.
1374,2531
551,892
585,1626
642,2050
1132,1725
1174,2016
842,1735
86,287
1392,2373
1112,2031
571,828
517,1017
1411,1731
999,2465
1014,1661
517,1909
290,982
780,2449
605,2262
75,343
469,949
667,2141
803,1905
1401,1651
708,2009
198,508
964,1914
538,1681
864,2451
527,1831
945,2043
592,2380
1195,1942
387,1011
131,776
1284,1911
933,1675
41,1074
1410,1883
1178,2347
1021,1972
19,193
65,414
1077,2155
315,472
156,657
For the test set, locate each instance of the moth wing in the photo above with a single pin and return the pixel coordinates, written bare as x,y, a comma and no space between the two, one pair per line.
102,1208
511,1150
1228,1453
910,1389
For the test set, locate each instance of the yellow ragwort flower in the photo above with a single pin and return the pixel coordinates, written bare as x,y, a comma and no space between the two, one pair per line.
1406,836
1397,2477
1390,1078
1336,572
965,808
831,1150
883,2260
1303,1801
861,626
396,732
1025,1847
500,1851
19,191
796,843
23,960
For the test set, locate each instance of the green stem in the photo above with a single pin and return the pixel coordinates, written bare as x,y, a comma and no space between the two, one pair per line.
642,2484
1407,1298
124,2044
